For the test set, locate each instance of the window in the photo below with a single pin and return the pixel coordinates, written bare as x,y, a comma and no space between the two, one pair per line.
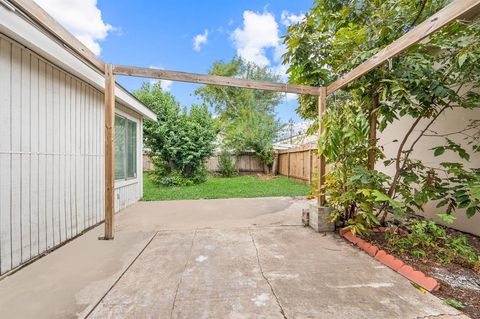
125,148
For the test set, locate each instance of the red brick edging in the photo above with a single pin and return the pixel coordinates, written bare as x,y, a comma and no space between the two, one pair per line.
388,260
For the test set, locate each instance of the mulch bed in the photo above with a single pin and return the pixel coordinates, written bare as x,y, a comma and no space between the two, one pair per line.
456,281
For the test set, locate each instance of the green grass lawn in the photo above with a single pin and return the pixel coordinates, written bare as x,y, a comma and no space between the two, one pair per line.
219,187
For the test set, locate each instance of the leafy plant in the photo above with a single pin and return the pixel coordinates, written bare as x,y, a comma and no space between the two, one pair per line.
428,239
179,141
446,218
354,192
423,83
225,165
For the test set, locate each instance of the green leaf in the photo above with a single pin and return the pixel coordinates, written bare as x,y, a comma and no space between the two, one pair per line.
449,219
474,190
463,154
439,151
461,59
380,197
471,211
443,202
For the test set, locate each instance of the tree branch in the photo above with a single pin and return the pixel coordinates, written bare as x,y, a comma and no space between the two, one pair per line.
419,13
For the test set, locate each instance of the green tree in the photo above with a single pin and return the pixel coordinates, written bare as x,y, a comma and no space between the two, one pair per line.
337,35
226,166
179,141
247,117
430,78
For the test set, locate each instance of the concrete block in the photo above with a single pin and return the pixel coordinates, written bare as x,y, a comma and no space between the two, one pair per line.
319,218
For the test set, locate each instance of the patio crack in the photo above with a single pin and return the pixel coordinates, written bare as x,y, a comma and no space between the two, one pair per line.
282,311
121,275
183,273
442,315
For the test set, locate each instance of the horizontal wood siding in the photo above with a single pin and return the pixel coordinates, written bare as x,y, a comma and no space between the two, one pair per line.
51,156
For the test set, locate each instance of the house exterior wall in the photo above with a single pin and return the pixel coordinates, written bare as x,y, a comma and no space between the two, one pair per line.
450,121
51,156
130,191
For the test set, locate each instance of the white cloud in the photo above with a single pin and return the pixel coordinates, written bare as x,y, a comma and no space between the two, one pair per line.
291,96
82,18
166,85
289,18
200,40
260,32
281,69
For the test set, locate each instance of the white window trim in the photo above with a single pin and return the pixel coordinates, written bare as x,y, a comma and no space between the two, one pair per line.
119,183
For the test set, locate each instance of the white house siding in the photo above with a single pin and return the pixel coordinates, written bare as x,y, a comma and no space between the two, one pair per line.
51,156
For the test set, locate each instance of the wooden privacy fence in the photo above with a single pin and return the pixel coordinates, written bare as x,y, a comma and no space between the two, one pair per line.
245,163
299,163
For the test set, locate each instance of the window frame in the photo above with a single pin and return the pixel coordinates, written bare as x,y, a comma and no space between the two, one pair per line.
132,179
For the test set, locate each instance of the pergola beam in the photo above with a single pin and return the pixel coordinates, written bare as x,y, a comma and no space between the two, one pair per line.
214,80
40,16
453,11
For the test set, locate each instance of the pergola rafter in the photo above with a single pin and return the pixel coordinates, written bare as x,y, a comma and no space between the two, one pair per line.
214,80
455,10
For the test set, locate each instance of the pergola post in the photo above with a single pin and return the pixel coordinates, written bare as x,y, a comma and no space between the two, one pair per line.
322,106
109,151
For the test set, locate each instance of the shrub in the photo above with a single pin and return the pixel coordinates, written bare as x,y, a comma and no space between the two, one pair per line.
179,141
175,177
226,166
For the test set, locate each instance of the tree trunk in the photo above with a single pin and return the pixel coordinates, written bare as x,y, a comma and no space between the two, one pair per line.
372,134
275,164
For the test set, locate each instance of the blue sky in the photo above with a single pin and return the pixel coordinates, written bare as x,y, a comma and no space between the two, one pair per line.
162,34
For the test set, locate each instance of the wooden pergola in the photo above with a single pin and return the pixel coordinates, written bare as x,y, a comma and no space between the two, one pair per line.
455,10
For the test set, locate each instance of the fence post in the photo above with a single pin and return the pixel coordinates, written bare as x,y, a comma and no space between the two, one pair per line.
303,164
310,166
288,164
322,105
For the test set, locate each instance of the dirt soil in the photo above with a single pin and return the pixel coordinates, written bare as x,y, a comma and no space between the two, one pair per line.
456,281
266,177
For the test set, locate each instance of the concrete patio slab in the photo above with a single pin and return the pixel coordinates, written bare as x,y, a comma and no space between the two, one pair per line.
213,259
263,272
